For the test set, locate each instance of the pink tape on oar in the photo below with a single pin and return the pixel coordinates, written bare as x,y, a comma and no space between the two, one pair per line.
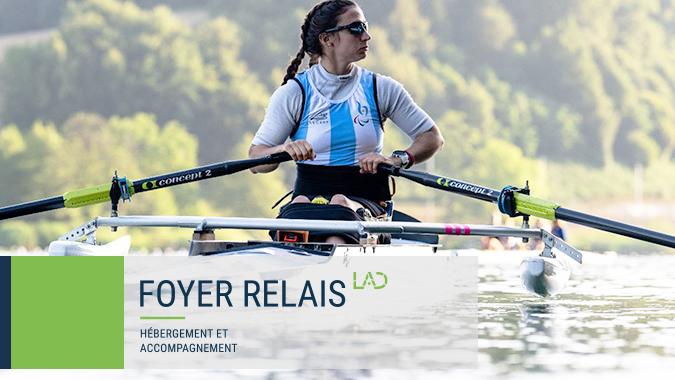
457,229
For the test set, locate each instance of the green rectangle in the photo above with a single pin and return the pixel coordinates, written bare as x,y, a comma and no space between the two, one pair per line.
67,312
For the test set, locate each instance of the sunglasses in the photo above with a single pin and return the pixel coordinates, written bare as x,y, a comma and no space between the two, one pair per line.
356,28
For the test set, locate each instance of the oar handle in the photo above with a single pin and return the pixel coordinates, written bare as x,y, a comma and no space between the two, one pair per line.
278,157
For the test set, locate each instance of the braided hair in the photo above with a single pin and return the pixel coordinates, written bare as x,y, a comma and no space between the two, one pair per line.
323,16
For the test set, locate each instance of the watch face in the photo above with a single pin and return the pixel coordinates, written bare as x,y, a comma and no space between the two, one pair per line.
404,159
403,156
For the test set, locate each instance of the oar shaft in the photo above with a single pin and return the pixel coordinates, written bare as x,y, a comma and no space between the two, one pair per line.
446,184
529,205
205,172
33,207
101,193
615,227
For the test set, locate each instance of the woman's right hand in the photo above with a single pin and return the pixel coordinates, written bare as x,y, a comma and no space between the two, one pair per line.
300,150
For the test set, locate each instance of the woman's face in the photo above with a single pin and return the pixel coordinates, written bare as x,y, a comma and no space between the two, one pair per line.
346,45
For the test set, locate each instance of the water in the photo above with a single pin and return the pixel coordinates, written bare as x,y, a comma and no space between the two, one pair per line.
615,320
617,316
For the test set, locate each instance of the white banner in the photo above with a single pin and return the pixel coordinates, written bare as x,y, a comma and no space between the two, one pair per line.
300,312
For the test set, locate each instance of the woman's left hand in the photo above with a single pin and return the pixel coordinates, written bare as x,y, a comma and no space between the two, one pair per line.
369,162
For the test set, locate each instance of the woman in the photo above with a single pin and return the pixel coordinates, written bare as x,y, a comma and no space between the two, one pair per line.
334,113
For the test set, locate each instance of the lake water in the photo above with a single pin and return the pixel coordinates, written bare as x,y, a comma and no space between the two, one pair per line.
615,320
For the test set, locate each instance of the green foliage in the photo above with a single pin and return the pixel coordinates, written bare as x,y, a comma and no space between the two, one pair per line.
174,4
409,30
22,15
514,167
266,45
86,151
658,180
13,146
613,182
610,63
555,92
16,233
113,58
422,84
584,81
26,93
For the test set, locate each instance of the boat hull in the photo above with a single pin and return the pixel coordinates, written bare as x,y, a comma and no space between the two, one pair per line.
544,276
224,248
118,247
308,252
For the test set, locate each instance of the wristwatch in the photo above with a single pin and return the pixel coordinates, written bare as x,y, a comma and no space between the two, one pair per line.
405,158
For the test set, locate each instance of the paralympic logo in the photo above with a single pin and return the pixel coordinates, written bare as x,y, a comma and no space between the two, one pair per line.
362,118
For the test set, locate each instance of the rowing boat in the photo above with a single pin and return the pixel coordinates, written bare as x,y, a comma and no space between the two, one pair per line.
544,275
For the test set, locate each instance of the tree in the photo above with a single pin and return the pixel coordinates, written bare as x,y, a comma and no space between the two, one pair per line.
112,58
409,30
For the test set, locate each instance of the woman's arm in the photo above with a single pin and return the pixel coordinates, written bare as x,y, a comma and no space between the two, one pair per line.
281,116
398,105
425,145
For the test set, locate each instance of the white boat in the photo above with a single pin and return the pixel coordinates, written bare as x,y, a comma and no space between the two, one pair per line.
545,274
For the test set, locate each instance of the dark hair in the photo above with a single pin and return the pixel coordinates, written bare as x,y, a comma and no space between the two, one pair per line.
323,16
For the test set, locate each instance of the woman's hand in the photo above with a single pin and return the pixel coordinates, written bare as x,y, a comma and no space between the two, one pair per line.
370,161
300,150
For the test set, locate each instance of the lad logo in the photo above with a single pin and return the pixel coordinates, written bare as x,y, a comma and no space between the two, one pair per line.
375,281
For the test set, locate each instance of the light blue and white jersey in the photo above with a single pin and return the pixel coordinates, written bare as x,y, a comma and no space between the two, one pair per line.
344,130
340,118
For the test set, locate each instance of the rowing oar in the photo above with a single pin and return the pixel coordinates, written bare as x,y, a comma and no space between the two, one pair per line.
527,205
121,188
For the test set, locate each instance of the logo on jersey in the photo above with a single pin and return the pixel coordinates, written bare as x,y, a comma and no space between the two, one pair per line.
362,117
319,118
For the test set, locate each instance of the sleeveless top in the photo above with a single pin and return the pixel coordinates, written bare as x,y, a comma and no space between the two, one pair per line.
344,130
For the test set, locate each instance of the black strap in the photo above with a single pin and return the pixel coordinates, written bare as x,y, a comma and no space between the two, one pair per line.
282,198
377,102
302,108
